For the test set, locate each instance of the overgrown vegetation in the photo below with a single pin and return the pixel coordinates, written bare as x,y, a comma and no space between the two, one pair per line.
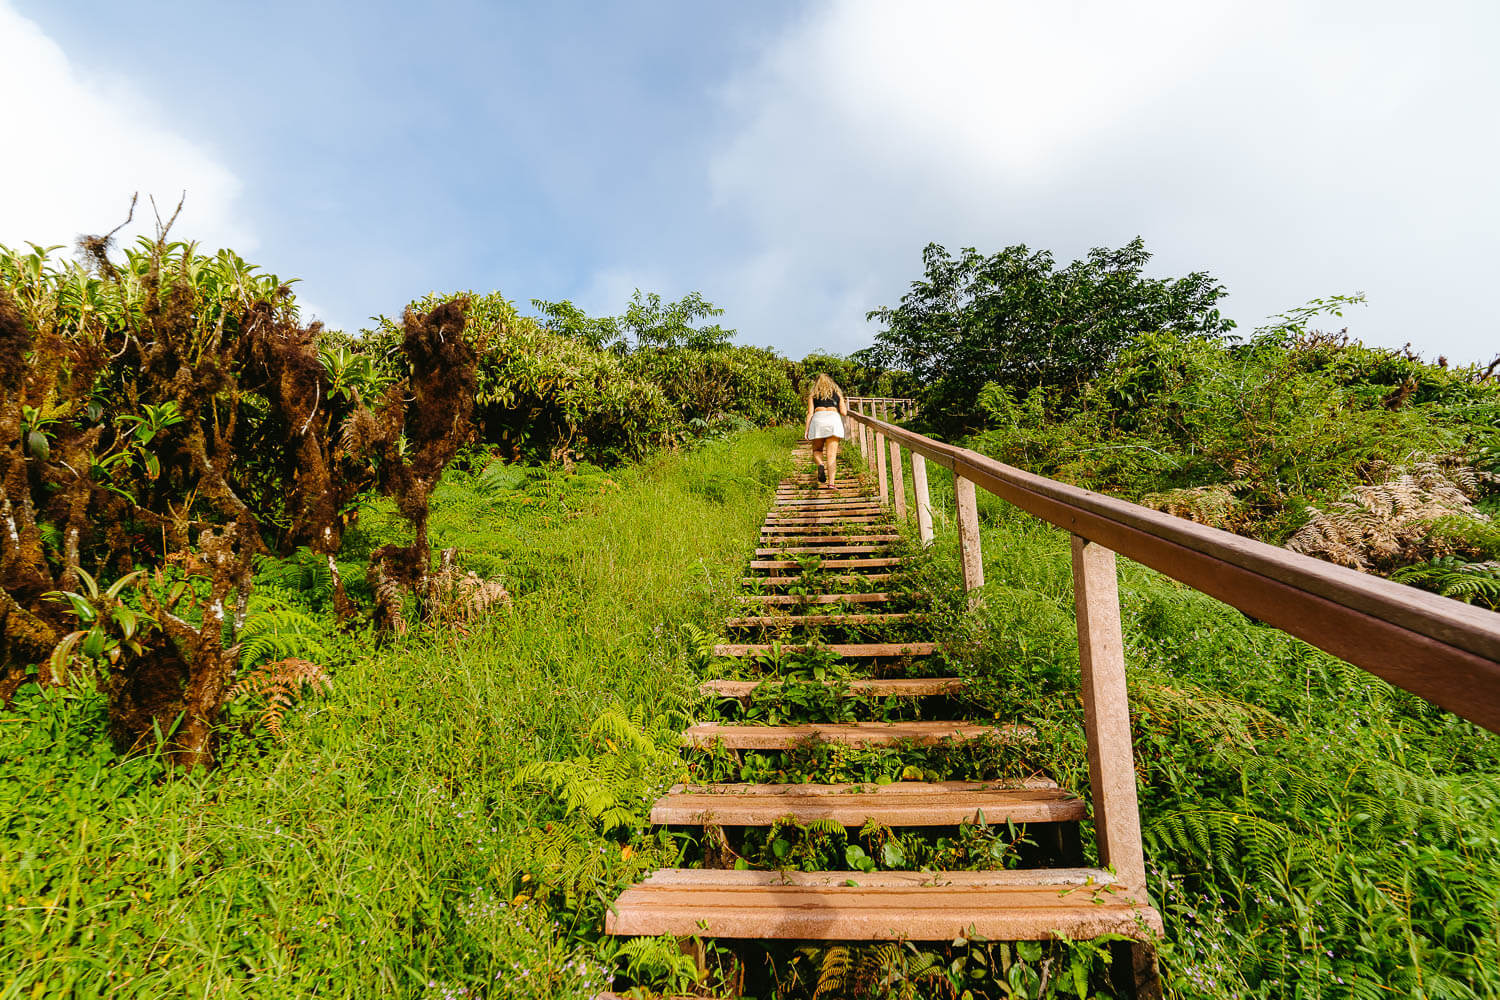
435,770
1311,830
1093,374
393,841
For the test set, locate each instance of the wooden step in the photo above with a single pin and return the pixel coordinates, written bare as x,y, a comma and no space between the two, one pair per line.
792,581
827,563
837,648
884,687
901,803
830,538
777,621
846,484
877,597
835,550
1015,905
705,735
776,521
859,532
811,506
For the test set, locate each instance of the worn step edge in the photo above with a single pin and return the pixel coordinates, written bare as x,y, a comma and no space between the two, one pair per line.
786,621
886,687
891,805
792,581
708,734
875,597
999,911
837,648
875,563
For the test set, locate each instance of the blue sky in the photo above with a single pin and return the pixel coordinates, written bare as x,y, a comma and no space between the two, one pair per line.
788,160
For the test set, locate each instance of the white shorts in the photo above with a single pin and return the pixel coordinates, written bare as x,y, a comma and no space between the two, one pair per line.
825,424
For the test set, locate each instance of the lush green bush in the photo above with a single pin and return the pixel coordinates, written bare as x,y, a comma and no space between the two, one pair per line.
1293,435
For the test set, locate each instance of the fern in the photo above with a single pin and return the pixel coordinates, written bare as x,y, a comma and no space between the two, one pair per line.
278,631
1391,519
1470,582
279,683
833,972
610,786
304,574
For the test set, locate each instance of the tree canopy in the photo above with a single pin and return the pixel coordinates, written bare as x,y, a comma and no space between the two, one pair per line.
1018,320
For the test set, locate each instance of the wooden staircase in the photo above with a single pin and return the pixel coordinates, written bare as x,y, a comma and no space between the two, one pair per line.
849,529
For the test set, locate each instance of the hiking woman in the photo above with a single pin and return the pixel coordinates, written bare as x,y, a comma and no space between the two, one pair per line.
826,409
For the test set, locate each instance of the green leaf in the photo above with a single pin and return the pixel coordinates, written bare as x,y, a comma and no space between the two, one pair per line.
38,445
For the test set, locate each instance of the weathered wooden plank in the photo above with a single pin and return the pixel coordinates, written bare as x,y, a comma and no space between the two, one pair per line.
1016,877
827,563
832,538
877,618
859,913
708,734
923,497
837,648
891,805
843,550
1106,711
876,597
792,581
968,534
884,687
898,483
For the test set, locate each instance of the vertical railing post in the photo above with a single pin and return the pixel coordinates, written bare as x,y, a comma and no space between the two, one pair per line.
898,481
923,499
864,433
968,534
885,492
1106,711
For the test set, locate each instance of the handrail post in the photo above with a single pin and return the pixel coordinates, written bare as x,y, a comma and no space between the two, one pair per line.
885,492
1106,712
923,498
898,481
864,437
968,535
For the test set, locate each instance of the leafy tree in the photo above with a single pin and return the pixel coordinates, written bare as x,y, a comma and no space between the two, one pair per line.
602,333
651,323
1017,320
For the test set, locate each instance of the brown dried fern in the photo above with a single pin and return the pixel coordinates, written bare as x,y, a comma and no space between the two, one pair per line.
460,596
1214,505
280,682
1389,521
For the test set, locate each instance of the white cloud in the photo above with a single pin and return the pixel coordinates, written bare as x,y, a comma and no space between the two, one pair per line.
78,145
1292,149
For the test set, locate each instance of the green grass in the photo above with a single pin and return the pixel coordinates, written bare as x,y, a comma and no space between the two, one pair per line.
454,818
387,847
1310,830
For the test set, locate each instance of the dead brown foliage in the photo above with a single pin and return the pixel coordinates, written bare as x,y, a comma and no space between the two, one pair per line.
432,410
1389,521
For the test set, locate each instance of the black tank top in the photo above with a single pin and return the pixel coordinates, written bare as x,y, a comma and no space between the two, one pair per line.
834,402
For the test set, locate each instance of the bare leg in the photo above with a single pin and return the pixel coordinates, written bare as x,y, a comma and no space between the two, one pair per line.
831,458
817,449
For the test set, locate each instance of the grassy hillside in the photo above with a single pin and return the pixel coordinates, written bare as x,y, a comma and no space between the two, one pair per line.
1311,831
386,847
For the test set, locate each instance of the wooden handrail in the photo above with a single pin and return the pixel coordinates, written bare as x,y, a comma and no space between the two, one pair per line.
1440,649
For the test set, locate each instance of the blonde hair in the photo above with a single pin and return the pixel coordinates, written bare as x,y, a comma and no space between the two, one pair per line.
824,387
